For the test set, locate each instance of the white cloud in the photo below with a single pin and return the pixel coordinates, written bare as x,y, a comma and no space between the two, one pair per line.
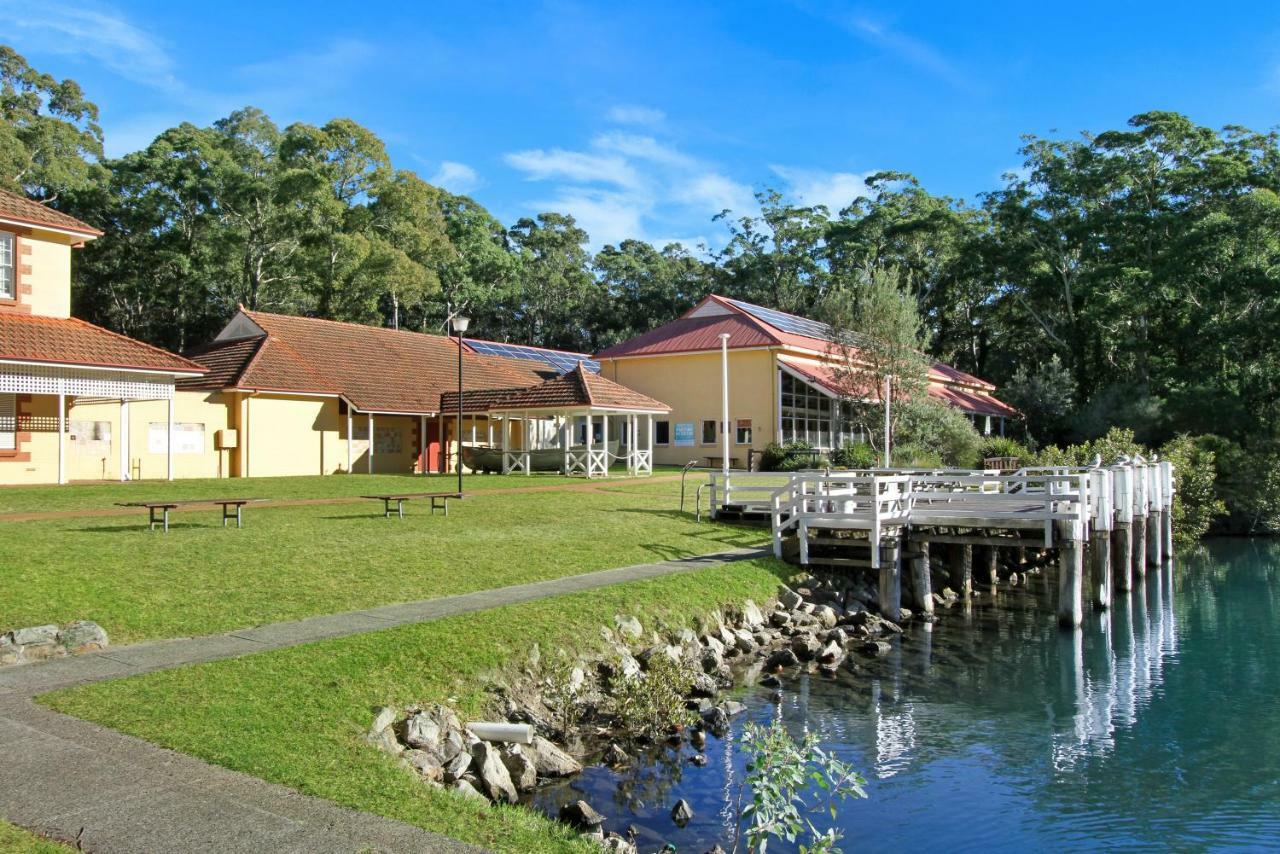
100,34
583,167
835,190
456,177
643,148
716,193
633,114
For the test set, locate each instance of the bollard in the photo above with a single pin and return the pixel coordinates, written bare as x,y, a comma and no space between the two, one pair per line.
891,582
1122,561
1070,584
921,582
1100,569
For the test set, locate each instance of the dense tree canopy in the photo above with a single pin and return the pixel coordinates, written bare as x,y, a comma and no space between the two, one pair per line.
1124,278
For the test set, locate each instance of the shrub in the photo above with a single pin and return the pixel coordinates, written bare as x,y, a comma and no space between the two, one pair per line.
791,456
911,456
1000,446
855,455
1196,503
939,430
649,703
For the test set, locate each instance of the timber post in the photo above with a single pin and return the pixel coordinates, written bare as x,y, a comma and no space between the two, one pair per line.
1122,562
1155,537
1140,546
921,581
1167,533
993,567
1100,569
890,588
962,569
1070,578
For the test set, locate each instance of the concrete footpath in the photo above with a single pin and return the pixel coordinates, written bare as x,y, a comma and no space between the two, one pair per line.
71,779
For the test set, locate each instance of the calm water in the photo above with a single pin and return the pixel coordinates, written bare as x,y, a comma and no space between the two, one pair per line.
1155,726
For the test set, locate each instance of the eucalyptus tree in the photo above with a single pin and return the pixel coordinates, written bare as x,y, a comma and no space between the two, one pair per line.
643,287
556,289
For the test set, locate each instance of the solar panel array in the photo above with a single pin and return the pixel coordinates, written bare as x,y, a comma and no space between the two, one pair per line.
561,360
786,322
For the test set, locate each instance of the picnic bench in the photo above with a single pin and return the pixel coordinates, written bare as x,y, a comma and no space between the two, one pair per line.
163,508
439,501
714,461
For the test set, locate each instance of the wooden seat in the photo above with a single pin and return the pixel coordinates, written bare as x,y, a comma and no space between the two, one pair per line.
163,507
439,501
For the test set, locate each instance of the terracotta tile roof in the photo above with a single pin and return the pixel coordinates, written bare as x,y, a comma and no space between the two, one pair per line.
476,400
16,208
581,388
376,369
71,341
225,361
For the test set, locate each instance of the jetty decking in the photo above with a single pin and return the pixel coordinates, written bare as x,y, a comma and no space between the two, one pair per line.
1119,515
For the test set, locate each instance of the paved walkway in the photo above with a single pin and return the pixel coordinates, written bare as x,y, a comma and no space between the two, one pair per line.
68,778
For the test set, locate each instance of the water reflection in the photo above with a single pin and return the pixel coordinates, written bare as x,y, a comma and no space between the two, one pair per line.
1156,723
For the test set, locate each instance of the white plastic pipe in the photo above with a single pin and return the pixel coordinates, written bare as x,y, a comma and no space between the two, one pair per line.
485,731
724,400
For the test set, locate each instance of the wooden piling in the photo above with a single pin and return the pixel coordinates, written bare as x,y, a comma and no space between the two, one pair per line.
1155,539
1140,546
962,570
1122,560
993,567
921,581
1070,583
891,582
1166,531
1100,569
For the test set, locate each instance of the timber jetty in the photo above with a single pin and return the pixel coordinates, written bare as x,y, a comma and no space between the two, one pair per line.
1115,518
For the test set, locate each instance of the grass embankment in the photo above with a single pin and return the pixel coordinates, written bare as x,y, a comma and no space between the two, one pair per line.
99,496
296,716
15,840
292,562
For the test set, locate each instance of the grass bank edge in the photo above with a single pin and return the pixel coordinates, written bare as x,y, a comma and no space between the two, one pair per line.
19,840
297,716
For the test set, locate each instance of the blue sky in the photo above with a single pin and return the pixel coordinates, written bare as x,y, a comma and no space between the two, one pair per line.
645,119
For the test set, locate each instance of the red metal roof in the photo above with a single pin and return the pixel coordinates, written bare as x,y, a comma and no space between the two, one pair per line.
695,334
16,208
978,403
71,341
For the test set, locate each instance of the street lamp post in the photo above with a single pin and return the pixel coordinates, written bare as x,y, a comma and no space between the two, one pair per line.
460,324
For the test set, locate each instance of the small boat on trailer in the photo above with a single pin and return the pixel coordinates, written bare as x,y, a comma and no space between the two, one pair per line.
483,458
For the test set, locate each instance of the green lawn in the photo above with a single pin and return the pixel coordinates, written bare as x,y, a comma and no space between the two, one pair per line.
93,496
292,562
296,716
15,840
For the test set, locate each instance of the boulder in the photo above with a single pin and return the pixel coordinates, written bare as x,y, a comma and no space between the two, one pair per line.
876,648
615,844
83,636
744,641
628,626
751,615
698,759
789,598
781,658
456,767
827,616
426,764
698,738
703,686
831,653
682,813
524,774
550,760
805,647
779,619
34,635
380,733
10,652
713,644
615,756
717,720
422,732
733,708
467,790
711,661
581,815
492,772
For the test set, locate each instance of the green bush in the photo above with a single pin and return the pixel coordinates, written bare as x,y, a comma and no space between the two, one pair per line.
1196,503
912,456
791,456
939,430
1000,446
855,455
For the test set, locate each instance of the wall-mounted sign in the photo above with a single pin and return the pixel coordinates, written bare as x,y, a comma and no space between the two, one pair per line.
684,433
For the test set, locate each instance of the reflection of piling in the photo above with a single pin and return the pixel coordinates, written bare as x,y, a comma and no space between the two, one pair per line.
1122,560
1100,569
921,582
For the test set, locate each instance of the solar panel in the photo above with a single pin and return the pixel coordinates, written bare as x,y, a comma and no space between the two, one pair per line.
561,360
786,322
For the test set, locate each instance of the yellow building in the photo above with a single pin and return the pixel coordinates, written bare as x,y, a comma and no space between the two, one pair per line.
77,401
783,383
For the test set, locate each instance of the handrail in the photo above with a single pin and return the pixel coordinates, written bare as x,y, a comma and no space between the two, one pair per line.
684,471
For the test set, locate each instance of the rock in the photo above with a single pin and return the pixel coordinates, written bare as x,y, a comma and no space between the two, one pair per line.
949,595
83,636
456,767
426,764
682,813
699,759
453,744
763,638
467,790
713,644
717,720
904,615
744,641
711,661
790,599
615,756
805,647
780,618
781,658
827,616
422,732
831,653
616,844
384,717
550,760
685,638
380,733
703,686
715,849
523,773
42,651
771,681
576,680
580,814
839,636
35,635
732,708
10,652
493,773
876,648
698,738
751,614
628,626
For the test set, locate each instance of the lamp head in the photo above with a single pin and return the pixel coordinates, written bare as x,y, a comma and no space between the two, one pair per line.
460,323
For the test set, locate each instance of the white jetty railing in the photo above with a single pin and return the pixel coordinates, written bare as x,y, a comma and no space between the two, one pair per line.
859,501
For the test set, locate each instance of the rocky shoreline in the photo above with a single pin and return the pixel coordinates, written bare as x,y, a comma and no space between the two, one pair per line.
638,689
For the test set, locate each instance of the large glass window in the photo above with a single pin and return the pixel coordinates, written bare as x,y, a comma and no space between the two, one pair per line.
708,432
806,413
8,267
662,432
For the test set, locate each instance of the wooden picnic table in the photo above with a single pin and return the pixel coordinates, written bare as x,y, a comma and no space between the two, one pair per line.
714,462
163,507
439,500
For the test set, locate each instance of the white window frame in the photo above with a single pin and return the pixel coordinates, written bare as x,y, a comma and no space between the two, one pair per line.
8,265
8,422
702,432
737,431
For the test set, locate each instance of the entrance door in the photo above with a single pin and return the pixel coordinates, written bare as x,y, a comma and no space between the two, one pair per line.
432,461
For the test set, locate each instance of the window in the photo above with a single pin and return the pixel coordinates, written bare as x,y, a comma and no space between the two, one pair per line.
8,422
708,432
806,413
662,432
8,267
743,435
386,440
